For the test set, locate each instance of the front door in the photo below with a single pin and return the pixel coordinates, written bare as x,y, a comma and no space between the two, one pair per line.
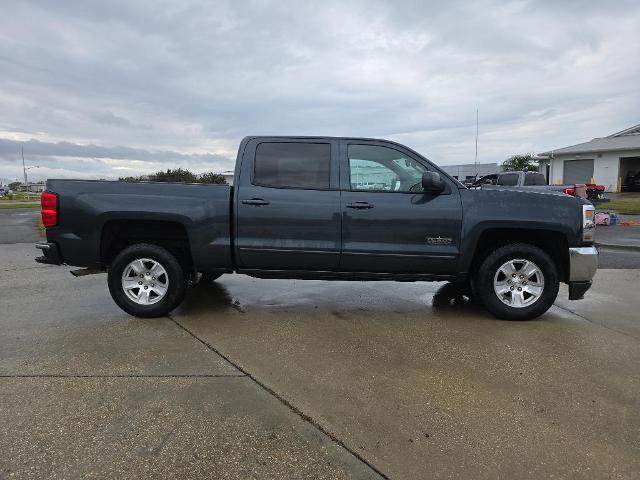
389,224
288,205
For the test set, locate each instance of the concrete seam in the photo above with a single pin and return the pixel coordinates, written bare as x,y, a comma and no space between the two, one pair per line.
53,375
596,323
284,401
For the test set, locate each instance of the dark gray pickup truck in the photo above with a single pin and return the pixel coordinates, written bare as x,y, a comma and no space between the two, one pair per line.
323,208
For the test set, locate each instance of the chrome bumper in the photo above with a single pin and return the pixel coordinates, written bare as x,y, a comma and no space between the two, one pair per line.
583,263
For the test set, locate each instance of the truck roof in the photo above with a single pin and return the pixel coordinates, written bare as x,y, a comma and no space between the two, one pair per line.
320,137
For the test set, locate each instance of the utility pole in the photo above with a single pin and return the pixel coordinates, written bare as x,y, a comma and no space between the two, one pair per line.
476,159
24,170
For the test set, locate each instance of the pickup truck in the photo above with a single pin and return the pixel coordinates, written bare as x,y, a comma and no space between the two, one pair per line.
520,180
323,208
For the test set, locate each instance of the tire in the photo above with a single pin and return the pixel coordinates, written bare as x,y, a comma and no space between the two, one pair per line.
209,277
521,297
136,267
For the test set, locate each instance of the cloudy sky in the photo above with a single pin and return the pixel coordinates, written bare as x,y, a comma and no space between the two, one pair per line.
103,89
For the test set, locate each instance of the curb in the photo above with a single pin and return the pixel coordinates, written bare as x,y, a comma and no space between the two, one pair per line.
614,246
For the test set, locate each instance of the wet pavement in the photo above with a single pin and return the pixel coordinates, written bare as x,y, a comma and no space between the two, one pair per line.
308,379
19,225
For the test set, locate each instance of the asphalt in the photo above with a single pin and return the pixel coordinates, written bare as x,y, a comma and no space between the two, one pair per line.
18,225
307,379
619,236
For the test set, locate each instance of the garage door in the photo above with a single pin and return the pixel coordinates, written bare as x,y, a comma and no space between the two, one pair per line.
577,171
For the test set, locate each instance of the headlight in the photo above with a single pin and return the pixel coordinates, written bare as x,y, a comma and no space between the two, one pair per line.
588,223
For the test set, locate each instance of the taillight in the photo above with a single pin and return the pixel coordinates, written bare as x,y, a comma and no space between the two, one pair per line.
49,203
570,191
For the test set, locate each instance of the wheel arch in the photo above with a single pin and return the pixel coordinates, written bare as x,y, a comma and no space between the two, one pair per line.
117,235
552,242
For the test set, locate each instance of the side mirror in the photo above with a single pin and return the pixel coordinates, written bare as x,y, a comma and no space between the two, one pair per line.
431,182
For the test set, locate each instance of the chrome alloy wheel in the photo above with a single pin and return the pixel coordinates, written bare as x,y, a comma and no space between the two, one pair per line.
145,281
518,283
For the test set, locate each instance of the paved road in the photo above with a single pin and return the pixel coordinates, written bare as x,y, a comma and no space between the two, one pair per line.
612,258
619,235
307,379
18,225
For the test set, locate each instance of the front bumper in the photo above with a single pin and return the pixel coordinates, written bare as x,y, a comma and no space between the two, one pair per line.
583,263
51,254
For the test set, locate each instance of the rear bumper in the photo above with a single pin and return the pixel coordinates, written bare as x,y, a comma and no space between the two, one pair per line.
583,263
51,255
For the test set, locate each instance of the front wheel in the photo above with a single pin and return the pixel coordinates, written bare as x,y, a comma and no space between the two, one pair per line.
517,282
146,281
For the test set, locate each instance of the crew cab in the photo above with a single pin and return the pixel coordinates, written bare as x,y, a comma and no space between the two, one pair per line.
323,208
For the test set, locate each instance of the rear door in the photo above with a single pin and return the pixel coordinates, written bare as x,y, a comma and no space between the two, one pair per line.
288,205
389,224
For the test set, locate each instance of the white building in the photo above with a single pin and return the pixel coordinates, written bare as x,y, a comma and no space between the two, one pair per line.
468,171
610,161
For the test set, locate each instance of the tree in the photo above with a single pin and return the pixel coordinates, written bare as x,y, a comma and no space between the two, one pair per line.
524,162
177,175
210,177
14,185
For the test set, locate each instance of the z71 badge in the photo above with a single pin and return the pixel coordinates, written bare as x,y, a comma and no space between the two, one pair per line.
439,240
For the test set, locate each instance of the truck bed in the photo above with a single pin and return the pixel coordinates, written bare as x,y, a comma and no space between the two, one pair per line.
88,208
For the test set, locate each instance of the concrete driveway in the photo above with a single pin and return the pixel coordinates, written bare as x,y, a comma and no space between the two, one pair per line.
308,379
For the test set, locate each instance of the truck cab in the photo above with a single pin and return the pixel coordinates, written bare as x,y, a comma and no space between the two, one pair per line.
342,205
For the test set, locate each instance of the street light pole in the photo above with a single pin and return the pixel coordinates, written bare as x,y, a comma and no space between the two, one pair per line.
24,170
475,162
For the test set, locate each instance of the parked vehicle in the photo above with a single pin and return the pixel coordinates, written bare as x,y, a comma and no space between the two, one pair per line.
294,212
528,181
631,182
595,193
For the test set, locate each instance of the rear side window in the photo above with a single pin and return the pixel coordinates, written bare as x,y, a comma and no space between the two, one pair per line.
509,180
293,165
534,179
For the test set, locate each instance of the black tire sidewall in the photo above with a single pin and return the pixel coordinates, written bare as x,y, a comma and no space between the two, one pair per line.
484,281
177,280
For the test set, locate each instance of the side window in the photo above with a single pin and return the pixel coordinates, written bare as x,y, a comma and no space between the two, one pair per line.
383,169
293,165
489,180
508,179
534,179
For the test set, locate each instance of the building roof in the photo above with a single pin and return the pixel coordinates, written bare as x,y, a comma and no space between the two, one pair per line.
628,139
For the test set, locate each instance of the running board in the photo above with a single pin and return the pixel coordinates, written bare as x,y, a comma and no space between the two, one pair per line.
83,272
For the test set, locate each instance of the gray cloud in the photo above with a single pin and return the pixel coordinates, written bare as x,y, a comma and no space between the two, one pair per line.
185,81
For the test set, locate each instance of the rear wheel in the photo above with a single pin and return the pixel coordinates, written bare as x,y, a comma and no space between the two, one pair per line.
517,282
146,280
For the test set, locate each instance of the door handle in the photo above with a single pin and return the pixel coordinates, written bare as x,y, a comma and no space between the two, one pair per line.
258,202
359,205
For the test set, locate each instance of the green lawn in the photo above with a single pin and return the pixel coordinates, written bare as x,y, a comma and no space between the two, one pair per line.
621,206
41,229
14,204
